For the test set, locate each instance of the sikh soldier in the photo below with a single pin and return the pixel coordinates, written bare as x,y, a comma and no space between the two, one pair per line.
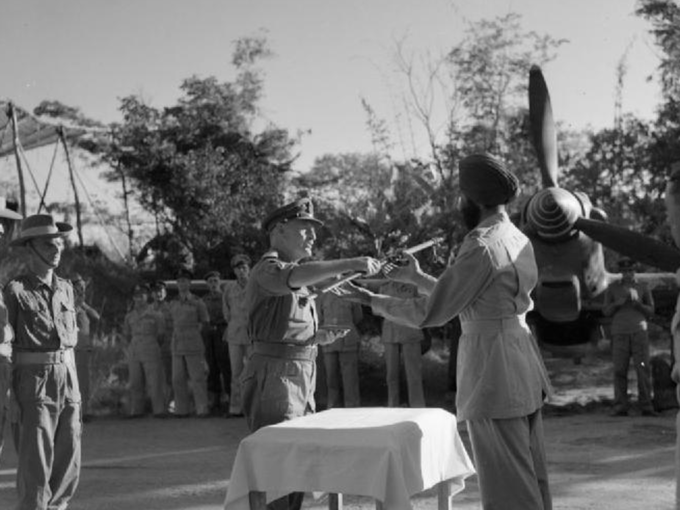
236,336
6,335
144,330
189,315
216,353
83,349
280,376
501,378
159,293
41,310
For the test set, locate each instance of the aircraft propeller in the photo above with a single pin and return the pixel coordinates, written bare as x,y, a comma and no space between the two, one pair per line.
555,213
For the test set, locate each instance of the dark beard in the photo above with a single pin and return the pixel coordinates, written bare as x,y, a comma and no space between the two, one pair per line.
471,213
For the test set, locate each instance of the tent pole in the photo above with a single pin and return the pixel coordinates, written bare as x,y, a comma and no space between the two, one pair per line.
126,203
15,134
79,224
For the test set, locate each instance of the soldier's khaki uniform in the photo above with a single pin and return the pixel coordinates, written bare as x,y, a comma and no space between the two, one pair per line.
6,336
341,358
216,353
188,358
166,348
45,386
403,342
236,335
280,376
145,329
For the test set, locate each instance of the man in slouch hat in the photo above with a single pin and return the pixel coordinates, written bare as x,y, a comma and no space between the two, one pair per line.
280,375
6,336
502,381
41,310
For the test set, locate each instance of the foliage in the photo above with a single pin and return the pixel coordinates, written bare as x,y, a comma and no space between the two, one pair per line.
199,167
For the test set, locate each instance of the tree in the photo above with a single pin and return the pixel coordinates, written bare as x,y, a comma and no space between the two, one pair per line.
198,165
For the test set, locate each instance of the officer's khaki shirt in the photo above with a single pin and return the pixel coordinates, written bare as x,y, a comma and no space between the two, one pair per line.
500,372
276,312
43,316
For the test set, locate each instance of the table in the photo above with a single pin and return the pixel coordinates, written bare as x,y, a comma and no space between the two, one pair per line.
389,454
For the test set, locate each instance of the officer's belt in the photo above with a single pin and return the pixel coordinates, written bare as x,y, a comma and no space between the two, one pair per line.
44,358
285,351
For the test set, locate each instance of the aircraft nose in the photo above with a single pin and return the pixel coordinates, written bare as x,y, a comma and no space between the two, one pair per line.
552,213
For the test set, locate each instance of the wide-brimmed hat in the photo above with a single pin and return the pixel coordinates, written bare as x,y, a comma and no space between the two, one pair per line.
8,213
40,226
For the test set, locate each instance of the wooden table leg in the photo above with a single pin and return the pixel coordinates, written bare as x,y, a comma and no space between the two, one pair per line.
334,501
444,495
258,500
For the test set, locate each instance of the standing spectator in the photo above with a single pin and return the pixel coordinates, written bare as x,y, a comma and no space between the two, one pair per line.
630,303
158,303
41,310
83,350
144,329
502,382
189,315
216,353
341,358
6,336
402,342
236,335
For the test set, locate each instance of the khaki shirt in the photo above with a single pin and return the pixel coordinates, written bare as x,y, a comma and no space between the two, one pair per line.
188,316
43,316
500,372
338,312
276,312
235,311
164,308
144,329
628,318
213,303
393,333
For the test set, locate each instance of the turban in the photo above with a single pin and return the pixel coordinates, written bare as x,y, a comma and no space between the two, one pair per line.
486,181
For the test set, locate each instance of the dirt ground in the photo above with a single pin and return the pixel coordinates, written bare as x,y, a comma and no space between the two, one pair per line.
595,461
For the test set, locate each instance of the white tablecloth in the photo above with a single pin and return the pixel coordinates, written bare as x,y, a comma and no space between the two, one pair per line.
388,454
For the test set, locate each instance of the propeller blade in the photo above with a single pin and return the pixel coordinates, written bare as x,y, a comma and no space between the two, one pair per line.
631,244
542,127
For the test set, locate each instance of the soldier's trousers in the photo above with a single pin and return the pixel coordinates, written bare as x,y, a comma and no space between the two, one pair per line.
413,364
342,378
189,369
509,456
50,429
149,373
625,347
238,353
5,382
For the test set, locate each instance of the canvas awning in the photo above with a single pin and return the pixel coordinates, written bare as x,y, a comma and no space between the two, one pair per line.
33,131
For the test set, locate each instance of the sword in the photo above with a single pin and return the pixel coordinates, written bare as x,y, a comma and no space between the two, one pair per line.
353,276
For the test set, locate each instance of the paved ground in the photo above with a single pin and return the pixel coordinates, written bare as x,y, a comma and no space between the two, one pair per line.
596,462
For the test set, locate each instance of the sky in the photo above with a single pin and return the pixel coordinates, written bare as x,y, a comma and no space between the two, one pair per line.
328,55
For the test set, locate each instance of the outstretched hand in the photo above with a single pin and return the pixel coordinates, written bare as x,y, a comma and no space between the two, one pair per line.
405,273
353,293
328,336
